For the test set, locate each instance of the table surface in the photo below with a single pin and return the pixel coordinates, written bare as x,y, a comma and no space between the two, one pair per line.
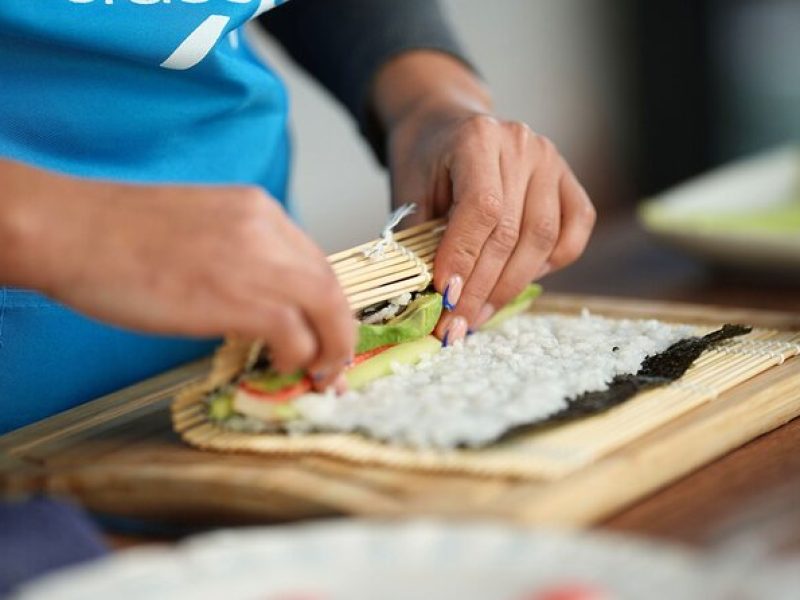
755,490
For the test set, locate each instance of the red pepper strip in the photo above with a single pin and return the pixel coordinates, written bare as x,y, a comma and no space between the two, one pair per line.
369,354
283,396
288,394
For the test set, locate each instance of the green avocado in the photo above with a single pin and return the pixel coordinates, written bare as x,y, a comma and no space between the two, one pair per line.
220,406
408,353
517,306
418,319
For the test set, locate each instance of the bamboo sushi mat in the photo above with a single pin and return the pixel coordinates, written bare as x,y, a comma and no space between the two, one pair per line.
546,454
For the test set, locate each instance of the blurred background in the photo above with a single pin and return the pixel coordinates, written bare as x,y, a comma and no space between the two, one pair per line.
638,95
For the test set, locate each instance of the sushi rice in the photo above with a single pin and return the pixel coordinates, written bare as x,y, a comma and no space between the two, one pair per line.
470,393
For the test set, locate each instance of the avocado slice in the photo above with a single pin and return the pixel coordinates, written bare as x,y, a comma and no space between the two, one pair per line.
517,306
220,406
418,319
407,353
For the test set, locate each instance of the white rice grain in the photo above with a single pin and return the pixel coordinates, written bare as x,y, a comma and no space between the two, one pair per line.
474,391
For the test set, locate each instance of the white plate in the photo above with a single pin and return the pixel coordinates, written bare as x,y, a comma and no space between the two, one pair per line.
356,560
746,214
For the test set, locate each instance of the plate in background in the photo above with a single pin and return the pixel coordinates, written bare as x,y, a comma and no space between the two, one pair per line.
744,215
367,560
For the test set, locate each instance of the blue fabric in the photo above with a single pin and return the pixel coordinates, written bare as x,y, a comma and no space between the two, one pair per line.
52,358
142,91
38,536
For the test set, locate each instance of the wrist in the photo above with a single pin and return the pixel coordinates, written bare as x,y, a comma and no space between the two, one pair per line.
426,86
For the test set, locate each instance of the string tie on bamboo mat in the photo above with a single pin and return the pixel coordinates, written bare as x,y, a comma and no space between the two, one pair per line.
387,243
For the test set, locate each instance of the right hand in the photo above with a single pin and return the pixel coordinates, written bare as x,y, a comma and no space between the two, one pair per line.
197,261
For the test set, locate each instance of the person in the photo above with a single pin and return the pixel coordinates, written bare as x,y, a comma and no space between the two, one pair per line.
144,161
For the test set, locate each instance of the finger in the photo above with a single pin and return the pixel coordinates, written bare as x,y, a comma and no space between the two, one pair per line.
516,173
577,221
432,201
477,189
326,374
296,236
315,308
339,385
326,309
411,188
309,282
291,343
539,233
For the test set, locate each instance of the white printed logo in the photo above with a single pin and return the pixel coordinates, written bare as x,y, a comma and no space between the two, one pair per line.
205,37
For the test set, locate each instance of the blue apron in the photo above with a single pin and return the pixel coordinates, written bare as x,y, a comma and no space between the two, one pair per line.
149,91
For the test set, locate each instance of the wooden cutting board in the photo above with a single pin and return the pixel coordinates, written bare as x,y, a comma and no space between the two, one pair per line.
118,455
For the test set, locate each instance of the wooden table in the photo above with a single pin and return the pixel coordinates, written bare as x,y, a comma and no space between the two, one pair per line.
752,488
745,493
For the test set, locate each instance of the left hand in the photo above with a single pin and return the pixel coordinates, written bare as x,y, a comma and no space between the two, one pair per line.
517,212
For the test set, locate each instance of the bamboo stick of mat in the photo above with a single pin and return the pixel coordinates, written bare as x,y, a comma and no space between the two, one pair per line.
404,264
401,236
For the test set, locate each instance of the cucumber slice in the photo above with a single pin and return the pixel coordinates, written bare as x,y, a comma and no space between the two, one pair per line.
408,353
517,306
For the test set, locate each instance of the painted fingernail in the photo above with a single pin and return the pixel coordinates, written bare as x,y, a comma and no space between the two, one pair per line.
452,292
456,332
319,375
340,385
484,315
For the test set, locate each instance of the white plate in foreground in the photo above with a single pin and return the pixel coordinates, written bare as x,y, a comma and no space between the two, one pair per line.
746,214
357,560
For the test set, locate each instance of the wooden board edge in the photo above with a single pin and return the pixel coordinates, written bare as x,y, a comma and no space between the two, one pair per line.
705,434
149,394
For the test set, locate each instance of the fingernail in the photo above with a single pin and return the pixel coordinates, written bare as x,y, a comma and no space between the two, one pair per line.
452,292
456,332
340,385
470,332
319,375
484,315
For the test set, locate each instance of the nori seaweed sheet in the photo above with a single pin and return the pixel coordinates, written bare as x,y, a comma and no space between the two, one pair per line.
657,370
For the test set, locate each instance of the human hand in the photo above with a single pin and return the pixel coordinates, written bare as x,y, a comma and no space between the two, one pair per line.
198,261
517,212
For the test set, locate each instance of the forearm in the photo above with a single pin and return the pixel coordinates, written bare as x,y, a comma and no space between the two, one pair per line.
426,83
190,260
344,44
